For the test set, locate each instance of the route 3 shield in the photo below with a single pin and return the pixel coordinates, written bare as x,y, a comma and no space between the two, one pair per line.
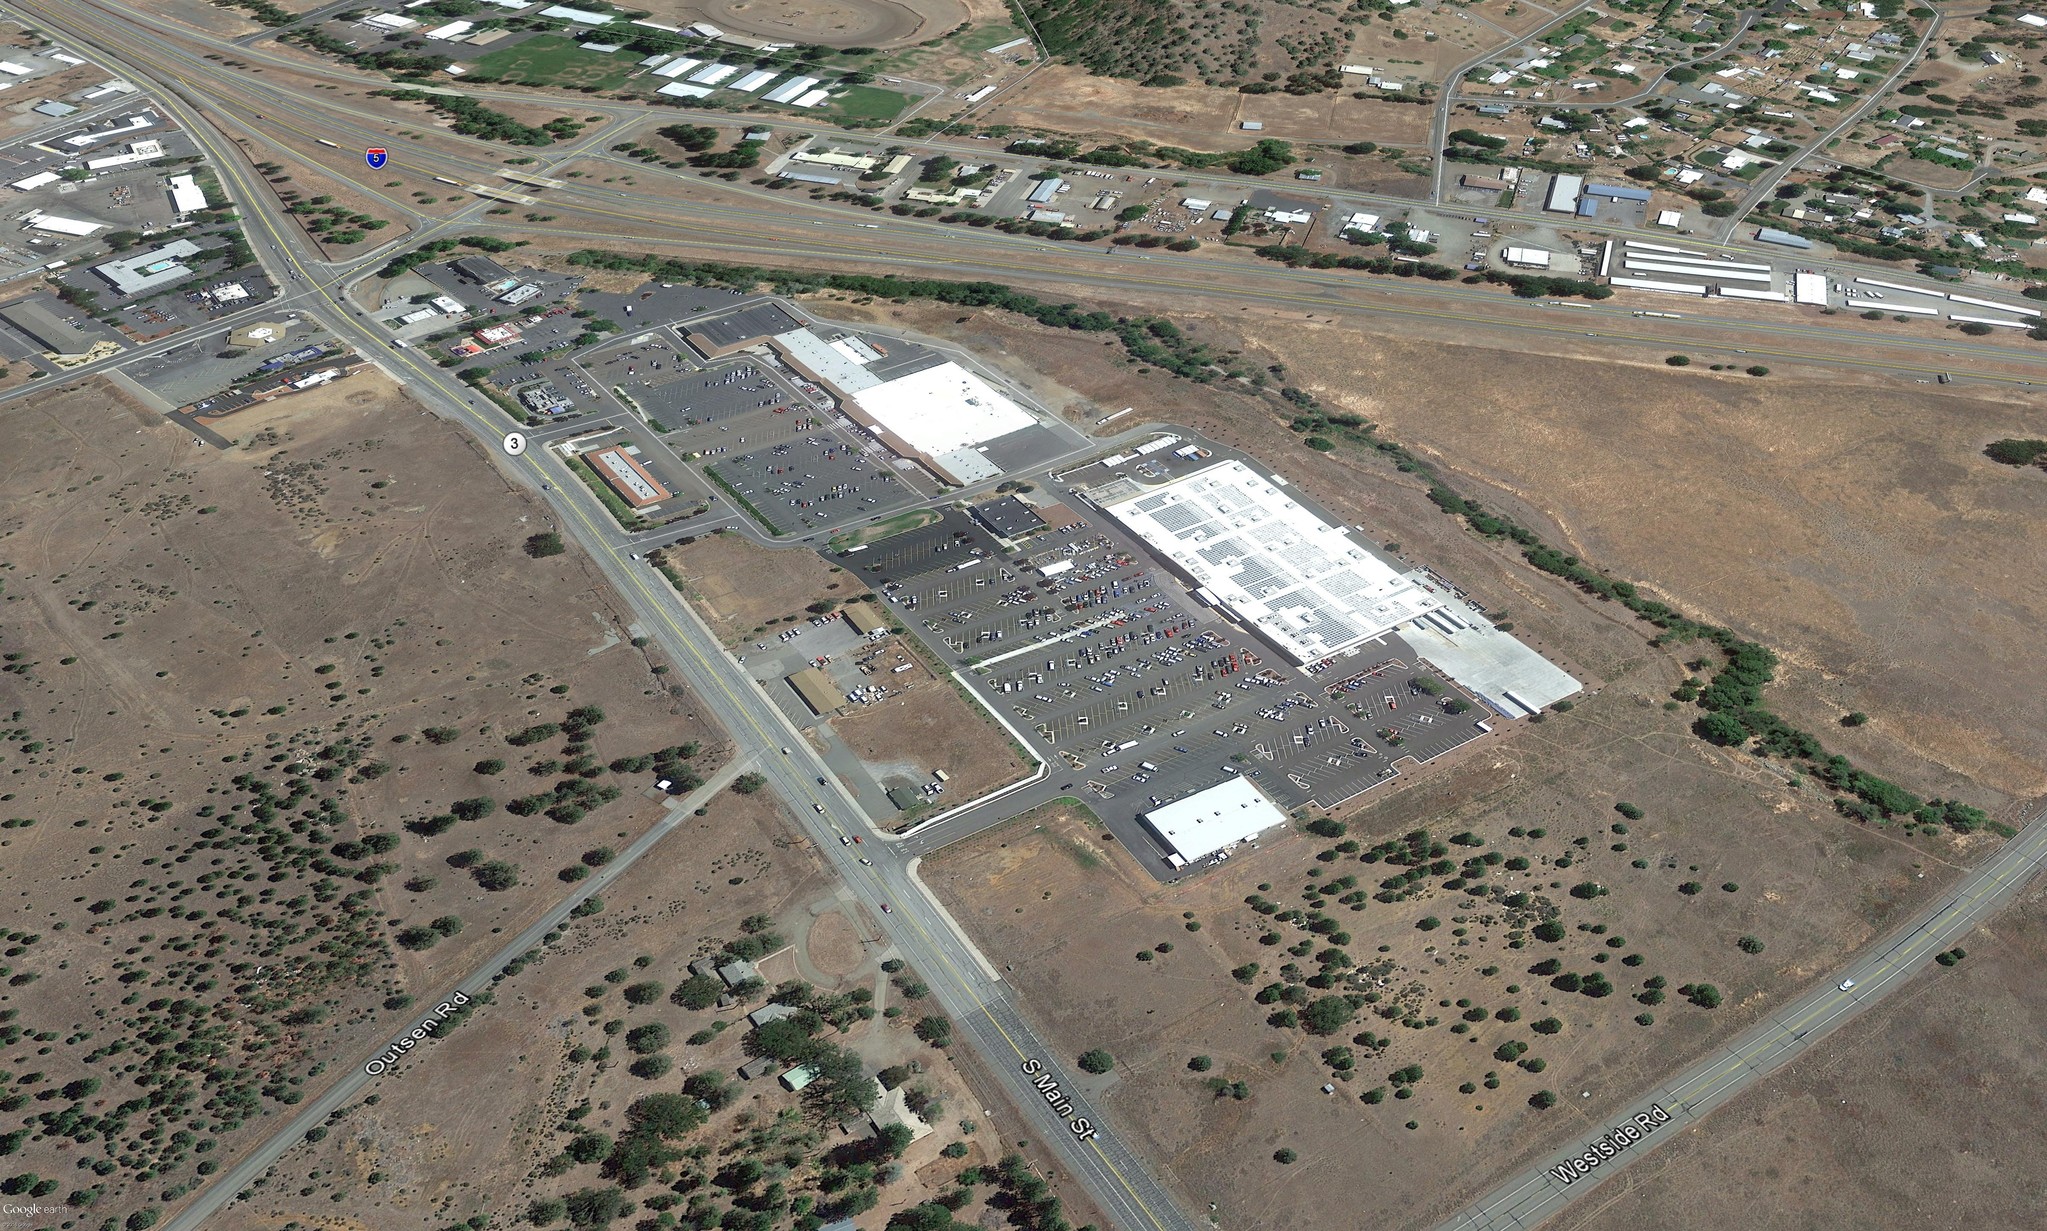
376,158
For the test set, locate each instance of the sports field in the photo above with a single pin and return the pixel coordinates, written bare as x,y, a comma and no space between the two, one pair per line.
551,60
866,102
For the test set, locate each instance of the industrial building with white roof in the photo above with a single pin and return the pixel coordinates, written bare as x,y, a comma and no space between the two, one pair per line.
147,271
1212,820
939,415
1255,552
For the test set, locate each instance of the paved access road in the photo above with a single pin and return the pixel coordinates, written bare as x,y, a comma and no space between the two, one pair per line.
1552,1182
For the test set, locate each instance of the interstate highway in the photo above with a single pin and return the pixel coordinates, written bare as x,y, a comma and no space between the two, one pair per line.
283,117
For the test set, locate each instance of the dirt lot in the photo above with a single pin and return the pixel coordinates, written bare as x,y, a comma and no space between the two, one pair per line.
219,22
1945,1139
242,677
1067,99
828,23
931,726
1765,862
739,587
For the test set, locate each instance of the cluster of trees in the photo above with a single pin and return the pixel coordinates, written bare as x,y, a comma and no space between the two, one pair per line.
1526,286
839,1086
1151,340
2017,452
400,63
426,936
262,10
1300,256
1547,286
1263,158
1474,139
1147,43
473,119
434,248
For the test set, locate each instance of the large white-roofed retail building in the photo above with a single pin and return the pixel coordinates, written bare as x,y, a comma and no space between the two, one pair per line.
939,416
1212,820
1255,552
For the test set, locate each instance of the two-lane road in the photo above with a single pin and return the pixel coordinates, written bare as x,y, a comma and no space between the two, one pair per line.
1593,1154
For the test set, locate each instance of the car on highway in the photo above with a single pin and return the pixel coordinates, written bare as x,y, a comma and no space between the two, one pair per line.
1847,984
885,910
844,840
867,863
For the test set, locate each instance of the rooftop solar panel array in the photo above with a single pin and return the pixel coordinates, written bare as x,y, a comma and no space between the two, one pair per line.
1273,563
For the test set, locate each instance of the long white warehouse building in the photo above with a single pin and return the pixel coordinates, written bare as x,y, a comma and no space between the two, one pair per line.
1273,564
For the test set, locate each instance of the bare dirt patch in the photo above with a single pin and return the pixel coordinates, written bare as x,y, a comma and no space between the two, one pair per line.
834,946
208,18
1071,100
930,726
740,587
239,679
831,23
1939,1080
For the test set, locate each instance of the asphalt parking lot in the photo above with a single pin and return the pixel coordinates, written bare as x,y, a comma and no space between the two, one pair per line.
790,457
709,408
1138,692
815,480
653,303
190,371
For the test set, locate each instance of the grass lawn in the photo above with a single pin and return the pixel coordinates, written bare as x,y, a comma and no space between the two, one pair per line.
988,36
549,59
901,523
866,102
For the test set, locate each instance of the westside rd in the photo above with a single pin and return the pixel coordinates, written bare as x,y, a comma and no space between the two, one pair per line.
1056,1099
1609,1145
